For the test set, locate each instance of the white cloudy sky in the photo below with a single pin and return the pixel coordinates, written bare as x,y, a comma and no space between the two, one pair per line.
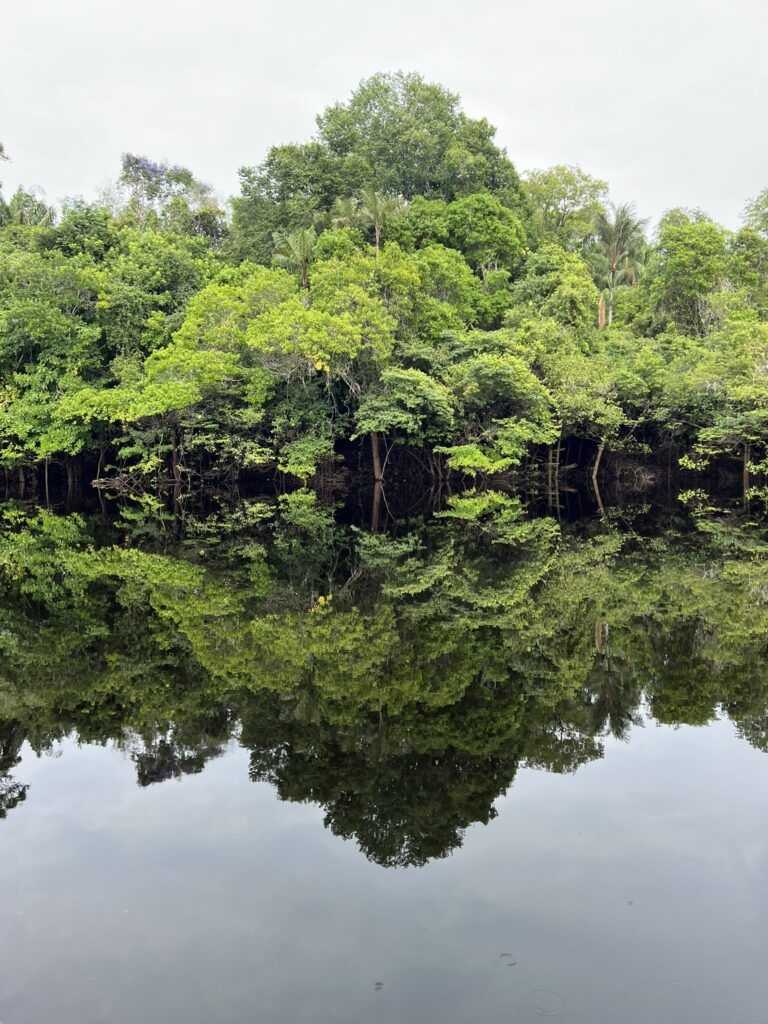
664,98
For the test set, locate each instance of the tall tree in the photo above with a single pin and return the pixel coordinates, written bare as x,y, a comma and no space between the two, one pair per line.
397,134
376,210
619,237
688,269
414,139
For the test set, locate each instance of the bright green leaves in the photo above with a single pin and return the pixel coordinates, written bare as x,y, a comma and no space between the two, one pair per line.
171,380
450,291
728,387
474,459
414,139
498,385
584,393
558,284
148,280
220,314
506,408
565,201
408,404
301,456
34,417
139,337
47,309
489,235
688,265
294,338
49,345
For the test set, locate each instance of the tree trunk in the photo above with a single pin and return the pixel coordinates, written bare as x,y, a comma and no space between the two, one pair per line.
745,473
101,455
611,290
595,486
47,497
70,475
377,471
596,467
378,490
22,483
176,466
601,312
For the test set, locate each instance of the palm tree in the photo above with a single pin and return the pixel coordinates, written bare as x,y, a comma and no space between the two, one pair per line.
345,213
632,265
29,208
294,250
618,243
377,208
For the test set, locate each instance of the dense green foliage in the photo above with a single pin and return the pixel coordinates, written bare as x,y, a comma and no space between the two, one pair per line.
393,278
400,680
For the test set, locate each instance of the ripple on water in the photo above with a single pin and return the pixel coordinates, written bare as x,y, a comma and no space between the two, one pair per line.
546,1002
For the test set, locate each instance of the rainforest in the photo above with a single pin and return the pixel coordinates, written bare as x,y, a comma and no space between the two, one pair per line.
383,590
390,297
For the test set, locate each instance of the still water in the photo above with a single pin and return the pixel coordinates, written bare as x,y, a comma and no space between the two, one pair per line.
505,769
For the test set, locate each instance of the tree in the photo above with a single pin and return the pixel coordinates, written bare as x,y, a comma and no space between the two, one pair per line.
504,409
688,265
748,268
376,210
618,237
489,235
558,284
408,405
585,396
414,139
296,185
756,212
565,202
170,194
424,221
400,283
397,135
345,213
295,250
28,209
727,386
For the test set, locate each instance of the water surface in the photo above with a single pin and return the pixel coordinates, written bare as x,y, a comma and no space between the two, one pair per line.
504,770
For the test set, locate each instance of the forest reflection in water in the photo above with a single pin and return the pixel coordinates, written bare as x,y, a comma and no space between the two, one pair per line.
399,680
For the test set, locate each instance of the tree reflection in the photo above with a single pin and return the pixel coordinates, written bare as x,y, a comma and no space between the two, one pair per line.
12,793
399,681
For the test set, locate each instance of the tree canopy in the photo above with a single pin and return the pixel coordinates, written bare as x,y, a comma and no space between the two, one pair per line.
391,283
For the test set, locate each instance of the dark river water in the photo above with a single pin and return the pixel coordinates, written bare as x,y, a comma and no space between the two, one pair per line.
265,765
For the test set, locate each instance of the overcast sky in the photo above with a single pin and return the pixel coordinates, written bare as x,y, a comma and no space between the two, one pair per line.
666,99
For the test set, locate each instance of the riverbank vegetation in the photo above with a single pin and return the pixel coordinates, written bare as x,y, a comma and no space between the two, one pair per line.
393,286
